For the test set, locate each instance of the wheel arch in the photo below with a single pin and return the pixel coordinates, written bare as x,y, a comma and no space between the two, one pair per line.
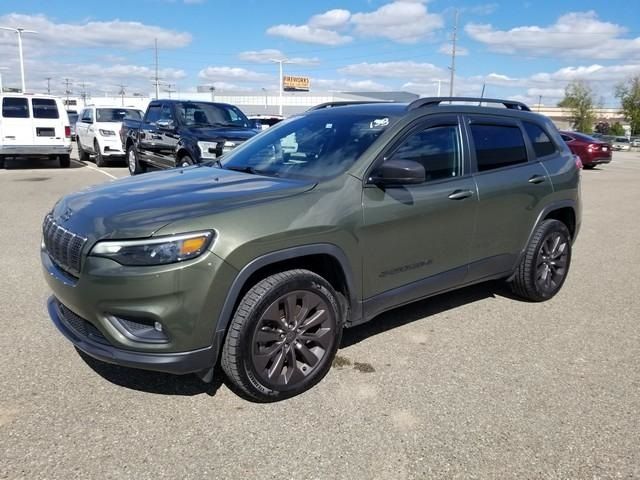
327,260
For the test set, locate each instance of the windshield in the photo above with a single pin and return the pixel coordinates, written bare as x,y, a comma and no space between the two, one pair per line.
117,114
73,117
203,114
308,147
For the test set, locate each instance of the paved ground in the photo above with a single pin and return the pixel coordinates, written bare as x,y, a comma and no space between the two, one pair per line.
471,384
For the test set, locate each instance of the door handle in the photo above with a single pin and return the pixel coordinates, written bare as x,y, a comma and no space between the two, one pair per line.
460,194
537,179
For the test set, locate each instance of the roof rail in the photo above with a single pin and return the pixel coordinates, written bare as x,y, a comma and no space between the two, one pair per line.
435,101
344,103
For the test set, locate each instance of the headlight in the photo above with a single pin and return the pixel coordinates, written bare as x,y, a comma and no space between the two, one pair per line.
208,149
228,146
107,133
154,251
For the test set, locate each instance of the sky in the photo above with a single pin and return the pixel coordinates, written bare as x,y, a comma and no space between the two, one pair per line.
523,50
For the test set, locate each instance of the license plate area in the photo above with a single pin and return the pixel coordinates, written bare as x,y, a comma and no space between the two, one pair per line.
45,132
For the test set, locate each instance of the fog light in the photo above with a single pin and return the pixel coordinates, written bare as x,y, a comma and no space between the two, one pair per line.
157,326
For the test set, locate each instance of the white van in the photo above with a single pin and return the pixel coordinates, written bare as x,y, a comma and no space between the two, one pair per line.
34,125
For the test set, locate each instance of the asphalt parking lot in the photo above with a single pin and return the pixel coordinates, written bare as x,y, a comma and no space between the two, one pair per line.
471,384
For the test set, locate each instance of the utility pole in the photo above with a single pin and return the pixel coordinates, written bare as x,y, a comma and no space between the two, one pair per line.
20,31
169,90
157,80
48,79
539,102
67,82
83,93
453,53
212,89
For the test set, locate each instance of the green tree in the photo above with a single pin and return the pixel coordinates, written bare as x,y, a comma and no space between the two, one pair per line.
616,129
629,95
579,98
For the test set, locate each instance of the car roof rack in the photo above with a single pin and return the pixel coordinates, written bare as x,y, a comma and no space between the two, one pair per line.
345,103
435,101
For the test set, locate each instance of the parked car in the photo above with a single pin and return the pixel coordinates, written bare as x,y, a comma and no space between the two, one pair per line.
183,133
266,121
34,125
99,132
621,144
591,151
635,142
261,257
73,119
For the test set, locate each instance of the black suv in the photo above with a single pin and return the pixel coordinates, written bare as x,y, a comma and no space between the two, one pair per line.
182,133
261,258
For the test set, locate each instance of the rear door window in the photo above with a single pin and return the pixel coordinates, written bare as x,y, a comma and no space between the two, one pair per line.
13,107
542,144
498,146
44,108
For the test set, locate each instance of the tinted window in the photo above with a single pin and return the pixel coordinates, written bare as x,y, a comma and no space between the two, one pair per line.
116,114
436,148
541,142
498,146
209,114
15,107
44,108
153,114
87,116
566,138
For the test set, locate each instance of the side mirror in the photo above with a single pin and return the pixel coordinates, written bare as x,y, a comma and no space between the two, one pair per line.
398,172
165,124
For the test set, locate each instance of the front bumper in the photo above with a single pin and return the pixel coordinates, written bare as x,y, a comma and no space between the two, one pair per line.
111,147
178,363
185,299
35,150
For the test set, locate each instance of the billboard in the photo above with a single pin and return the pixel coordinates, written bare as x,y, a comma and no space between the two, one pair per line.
292,83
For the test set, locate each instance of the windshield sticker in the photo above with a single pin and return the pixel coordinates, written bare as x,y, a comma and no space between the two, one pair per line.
379,123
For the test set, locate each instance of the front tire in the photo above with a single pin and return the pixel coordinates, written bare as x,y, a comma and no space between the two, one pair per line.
545,264
100,161
135,167
283,337
185,161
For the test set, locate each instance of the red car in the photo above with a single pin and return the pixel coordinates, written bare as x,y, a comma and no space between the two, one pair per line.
591,151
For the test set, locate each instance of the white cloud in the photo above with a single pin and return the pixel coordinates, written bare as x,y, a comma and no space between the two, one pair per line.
105,34
400,21
309,34
403,70
235,74
336,18
269,54
576,35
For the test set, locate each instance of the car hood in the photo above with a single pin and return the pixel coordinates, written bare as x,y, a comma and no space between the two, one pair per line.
222,133
138,206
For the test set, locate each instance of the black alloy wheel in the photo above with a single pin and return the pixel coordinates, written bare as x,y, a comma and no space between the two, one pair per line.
553,259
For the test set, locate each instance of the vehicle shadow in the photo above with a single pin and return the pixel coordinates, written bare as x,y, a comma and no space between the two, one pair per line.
37,163
424,308
153,382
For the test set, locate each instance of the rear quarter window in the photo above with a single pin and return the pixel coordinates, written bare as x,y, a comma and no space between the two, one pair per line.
13,107
44,108
542,144
498,146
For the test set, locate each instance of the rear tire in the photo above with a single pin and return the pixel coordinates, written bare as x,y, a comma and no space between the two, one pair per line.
65,161
100,161
588,167
545,264
283,336
2,162
82,153
135,166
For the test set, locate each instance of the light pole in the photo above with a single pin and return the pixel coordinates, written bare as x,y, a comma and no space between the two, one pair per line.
265,97
212,89
20,31
281,62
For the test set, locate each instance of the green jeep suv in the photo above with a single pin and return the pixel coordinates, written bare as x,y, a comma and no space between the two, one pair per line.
260,258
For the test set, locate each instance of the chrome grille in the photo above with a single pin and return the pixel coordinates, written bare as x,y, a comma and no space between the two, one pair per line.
64,247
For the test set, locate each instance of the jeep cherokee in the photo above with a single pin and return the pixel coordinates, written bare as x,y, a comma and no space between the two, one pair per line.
260,258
